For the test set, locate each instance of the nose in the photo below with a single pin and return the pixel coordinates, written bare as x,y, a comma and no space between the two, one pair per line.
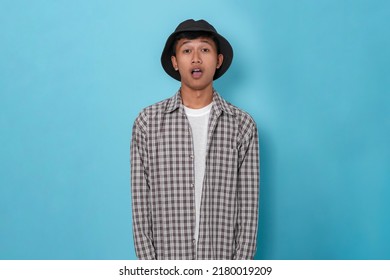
196,59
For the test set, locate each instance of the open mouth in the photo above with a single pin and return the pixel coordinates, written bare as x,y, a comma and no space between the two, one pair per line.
196,73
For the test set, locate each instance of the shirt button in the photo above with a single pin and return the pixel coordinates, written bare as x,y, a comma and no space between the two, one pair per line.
191,156
193,241
192,185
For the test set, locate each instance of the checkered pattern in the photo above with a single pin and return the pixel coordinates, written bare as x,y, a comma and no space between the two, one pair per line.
162,174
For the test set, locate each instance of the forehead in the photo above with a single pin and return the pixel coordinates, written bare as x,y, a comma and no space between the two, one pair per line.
201,40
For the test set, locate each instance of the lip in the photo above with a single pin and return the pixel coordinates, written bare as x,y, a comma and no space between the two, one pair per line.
196,73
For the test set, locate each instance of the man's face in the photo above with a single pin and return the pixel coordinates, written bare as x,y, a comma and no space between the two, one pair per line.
196,60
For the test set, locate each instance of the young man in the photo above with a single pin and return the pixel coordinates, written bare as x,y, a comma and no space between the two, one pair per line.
194,159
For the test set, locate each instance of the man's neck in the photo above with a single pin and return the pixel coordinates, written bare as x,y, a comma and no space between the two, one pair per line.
196,99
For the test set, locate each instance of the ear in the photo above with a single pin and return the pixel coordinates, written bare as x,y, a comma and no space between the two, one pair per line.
219,60
174,62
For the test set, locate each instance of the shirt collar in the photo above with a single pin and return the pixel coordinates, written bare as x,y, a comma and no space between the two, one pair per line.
220,105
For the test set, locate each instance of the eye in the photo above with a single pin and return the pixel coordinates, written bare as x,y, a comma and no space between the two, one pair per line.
205,50
186,51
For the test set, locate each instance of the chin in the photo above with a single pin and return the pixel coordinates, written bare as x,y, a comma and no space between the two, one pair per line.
199,86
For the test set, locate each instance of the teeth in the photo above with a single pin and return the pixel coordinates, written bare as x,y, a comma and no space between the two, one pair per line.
196,70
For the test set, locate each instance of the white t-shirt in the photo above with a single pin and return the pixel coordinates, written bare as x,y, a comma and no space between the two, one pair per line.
199,119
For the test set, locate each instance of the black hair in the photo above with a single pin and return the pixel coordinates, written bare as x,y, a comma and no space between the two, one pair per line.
193,35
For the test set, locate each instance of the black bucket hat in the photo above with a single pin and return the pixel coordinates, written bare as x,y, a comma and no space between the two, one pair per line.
200,25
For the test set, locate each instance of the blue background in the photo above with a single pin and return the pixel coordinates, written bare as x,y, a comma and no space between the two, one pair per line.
313,74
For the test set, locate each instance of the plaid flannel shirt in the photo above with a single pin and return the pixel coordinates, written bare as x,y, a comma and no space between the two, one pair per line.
162,184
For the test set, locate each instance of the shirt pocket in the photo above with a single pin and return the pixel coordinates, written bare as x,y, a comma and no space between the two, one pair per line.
223,168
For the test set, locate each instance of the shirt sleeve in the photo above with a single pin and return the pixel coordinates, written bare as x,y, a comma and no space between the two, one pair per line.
142,223
248,196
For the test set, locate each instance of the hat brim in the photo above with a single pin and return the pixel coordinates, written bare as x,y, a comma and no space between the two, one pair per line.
224,48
